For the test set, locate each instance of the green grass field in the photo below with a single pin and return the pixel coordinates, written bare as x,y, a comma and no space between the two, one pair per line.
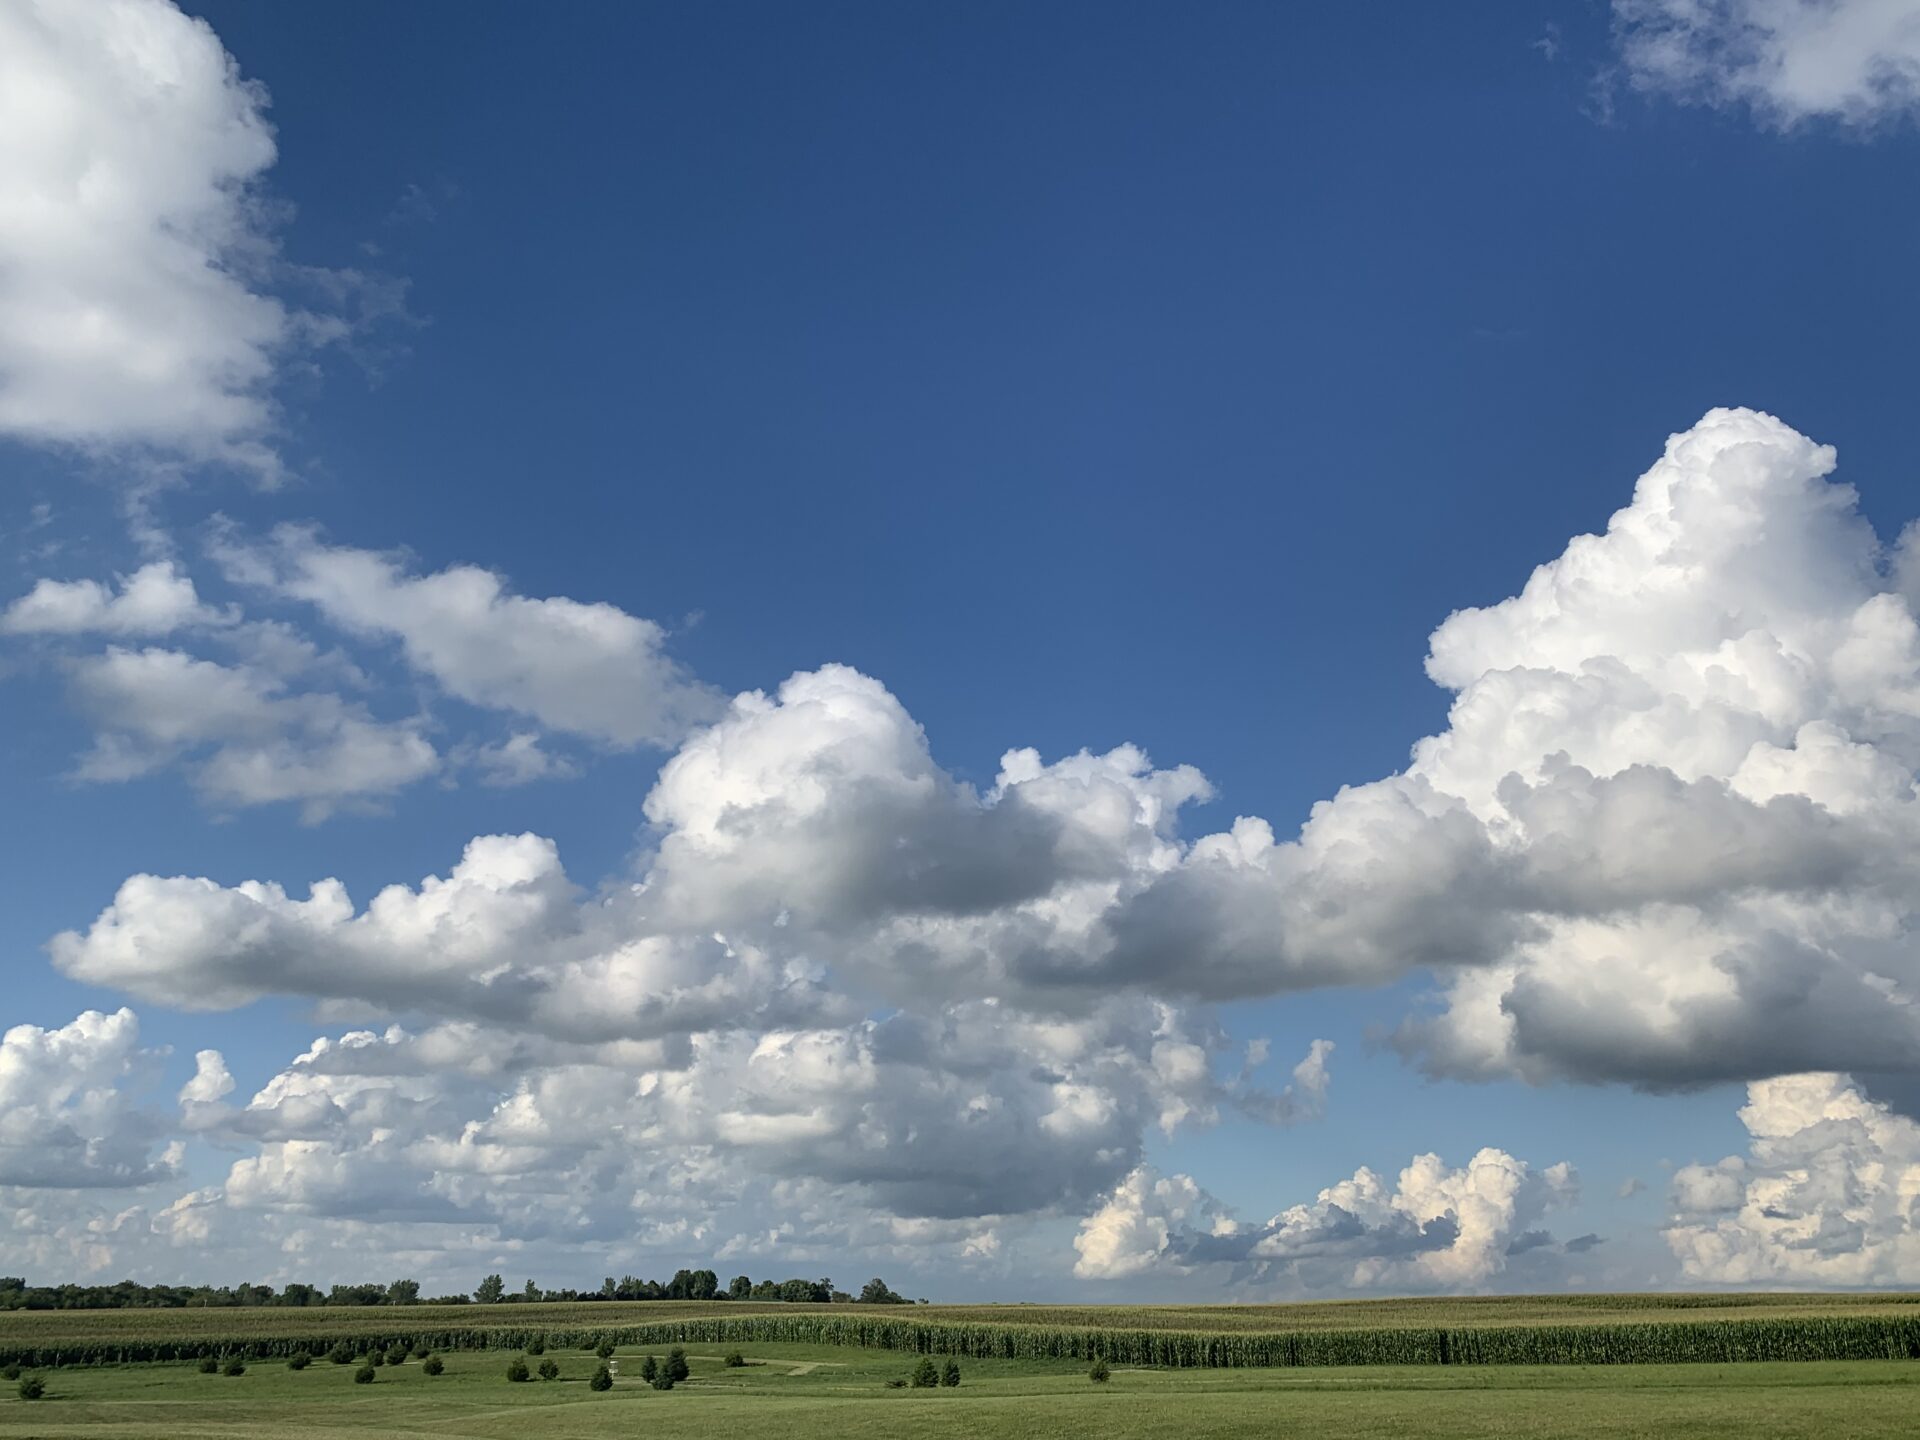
793,1391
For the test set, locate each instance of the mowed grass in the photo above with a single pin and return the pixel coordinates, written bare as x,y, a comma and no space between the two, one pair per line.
790,1391
50,1327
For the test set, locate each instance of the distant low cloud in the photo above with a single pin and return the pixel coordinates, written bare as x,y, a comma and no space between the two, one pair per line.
1854,61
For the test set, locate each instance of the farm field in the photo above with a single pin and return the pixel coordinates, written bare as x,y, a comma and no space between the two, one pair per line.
802,1390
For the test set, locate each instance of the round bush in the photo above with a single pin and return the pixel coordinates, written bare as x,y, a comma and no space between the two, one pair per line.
12,1372
735,1360
649,1368
432,1365
677,1364
516,1369
926,1374
420,1352
1099,1373
662,1381
378,1357
299,1360
537,1346
951,1374
341,1354
604,1349
32,1387
235,1366
209,1365
364,1375
602,1379
550,1370
397,1355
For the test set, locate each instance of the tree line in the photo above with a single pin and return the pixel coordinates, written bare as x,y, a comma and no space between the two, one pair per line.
16,1294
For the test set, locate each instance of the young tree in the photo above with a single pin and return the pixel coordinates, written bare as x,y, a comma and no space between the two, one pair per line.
364,1375
491,1291
604,1349
209,1365
299,1360
516,1369
550,1370
341,1353
1099,1373
734,1360
32,1387
432,1365
537,1345
234,1366
677,1364
926,1374
602,1379
649,1368
951,1374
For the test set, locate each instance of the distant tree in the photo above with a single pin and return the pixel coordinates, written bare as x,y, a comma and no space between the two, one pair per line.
602,1379
877,1292
609,1289
662,1381
1099,1373
209,1365
741,1288
649,1368
432,1365
364,1375
32,1387
549,1370
677,1364
530,1291
926,1374
950,1376
341,1353
516,1369
404,1292
299,1360
796,1292
234,1366
604,1349
704,1284
491,1291
396,1354
378,1357
735,1360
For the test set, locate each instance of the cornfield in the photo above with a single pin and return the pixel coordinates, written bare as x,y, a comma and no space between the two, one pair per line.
178,1335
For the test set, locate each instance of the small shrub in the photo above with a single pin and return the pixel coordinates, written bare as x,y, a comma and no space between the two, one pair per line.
896,1383
549,1370
299,1360
602,1379
341,1354
537,1346
677,1364
663,1381
209,1365
420,1352
735,1360
1099,1373
926,1374
234,1366
32,1387
604,1349
432,1365
649,1368
364,1375
516,1369
951,1375
12,1372
378,1357
397,1355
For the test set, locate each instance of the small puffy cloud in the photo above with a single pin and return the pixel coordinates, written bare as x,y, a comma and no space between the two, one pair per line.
245,739
1438,1228
66,1118
1824,1196
129,149
585,669
1855,61
155,600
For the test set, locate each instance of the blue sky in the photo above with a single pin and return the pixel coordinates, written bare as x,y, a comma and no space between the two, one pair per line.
1078,376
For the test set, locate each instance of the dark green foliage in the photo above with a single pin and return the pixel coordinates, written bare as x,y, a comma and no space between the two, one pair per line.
649,1368
364,1375
234,1366
875,1292
1099,1373
926,1375
12,1372
676,1366
378,1357
32,1387
420,1352
602,1379
516,1369
490,1291
341,1354
604,1349
209,1365
735,1360
403,1292
950,1373
896,1383
432,1365
663,1381
549,1370
299,1360
537,1345
396,1354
